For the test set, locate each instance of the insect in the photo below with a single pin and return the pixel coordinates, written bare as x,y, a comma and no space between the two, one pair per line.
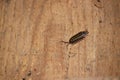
77,37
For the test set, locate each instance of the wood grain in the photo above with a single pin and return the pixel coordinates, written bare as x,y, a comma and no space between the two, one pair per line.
31,32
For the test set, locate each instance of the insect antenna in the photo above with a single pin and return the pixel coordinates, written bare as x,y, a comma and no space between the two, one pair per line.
67,43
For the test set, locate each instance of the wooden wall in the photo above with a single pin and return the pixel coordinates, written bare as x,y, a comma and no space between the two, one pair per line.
31,32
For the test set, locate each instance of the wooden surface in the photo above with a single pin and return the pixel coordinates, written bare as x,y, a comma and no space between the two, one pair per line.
31,32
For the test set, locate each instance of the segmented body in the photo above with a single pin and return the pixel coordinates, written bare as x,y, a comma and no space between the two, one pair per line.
77,37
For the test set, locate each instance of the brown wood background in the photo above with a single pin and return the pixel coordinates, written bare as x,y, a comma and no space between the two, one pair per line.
31,32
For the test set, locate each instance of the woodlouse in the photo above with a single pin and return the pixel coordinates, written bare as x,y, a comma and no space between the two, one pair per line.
77,37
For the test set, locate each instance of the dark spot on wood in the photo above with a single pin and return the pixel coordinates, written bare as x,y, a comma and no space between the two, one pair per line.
72,54
97,6
29,73
114,32
88,69
118,54
23,79
7,1
17,70
98,1
71,22
110,23
101,56
74,6
35,69
112,41
100,21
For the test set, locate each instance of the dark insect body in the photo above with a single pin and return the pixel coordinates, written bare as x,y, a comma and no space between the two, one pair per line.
77,37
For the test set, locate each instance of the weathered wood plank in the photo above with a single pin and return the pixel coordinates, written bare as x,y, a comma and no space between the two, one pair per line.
31,32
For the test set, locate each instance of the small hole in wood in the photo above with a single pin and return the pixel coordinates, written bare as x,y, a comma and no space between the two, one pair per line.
23,78
100,21
98,1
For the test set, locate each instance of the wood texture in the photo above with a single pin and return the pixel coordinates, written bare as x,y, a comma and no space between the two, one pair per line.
31,32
